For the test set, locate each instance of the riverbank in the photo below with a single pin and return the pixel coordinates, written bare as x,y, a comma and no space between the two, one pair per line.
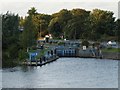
111,55
105,55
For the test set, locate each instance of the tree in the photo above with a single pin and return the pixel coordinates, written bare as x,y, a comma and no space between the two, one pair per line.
10,38
55,28
32,11
72,29
77,25
80,13
102,22
21,21
41,22
28,38
61,18
117,29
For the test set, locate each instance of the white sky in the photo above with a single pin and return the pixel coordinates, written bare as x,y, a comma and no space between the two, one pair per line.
51,6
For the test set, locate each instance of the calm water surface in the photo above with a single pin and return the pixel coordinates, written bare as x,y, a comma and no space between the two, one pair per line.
64,73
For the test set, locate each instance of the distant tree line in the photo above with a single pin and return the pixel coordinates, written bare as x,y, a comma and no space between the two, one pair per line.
70,24
74,24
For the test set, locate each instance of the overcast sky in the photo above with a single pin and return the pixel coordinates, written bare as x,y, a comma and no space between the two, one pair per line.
51,6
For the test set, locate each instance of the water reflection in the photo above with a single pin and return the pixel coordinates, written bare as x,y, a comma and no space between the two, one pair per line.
64,73
1,79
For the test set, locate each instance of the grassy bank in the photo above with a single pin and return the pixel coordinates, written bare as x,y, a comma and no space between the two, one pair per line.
111,53
111,50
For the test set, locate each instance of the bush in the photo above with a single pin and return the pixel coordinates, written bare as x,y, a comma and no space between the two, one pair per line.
60,43
23,55
109,48
85,43
33,47
96,44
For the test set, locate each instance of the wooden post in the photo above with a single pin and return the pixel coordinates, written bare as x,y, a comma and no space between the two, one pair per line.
36,62
30,63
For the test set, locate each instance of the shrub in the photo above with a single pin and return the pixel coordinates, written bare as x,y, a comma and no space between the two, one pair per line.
33,47
23,55
60,43
109,48
85,43
96,44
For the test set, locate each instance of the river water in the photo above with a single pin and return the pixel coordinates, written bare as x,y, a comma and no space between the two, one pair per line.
64,73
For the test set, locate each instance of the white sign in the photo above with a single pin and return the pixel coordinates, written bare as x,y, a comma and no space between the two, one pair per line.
84,47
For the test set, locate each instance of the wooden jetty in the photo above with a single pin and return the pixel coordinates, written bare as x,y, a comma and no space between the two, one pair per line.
38,63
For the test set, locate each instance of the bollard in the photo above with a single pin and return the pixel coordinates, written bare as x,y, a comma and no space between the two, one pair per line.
30,63
36,62
40,61
44,59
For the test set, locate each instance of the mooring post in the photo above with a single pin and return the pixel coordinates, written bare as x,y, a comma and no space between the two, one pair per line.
30,62
36,62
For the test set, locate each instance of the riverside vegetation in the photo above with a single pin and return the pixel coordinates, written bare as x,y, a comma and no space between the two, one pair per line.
20,34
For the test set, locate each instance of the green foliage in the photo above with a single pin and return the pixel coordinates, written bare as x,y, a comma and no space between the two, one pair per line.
85,43
28,37
23,55
58,22
10,39
110,49
102,22
33,48
55,28
41,22
117,29
32,11
83,24
72,24
61,43
96,44
21,22
42,53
